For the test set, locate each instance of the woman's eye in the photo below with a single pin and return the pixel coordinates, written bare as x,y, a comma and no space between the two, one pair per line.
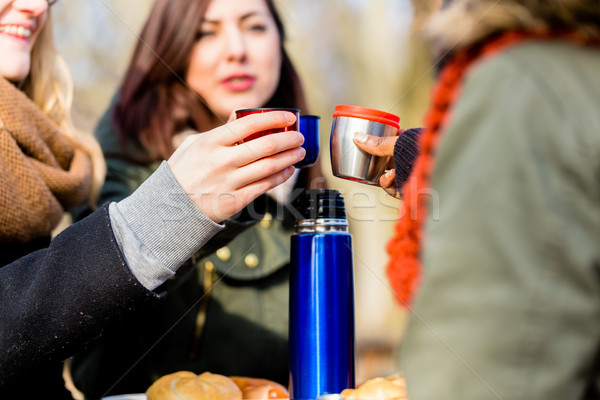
257,28
203,34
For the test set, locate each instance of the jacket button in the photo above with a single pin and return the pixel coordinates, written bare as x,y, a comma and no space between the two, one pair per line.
251,260
224,254
210,267
266,221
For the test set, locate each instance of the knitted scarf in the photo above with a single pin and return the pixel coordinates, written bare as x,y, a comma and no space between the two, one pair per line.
42,173
404,268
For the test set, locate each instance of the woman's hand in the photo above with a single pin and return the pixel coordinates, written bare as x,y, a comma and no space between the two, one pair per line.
381,146
222,176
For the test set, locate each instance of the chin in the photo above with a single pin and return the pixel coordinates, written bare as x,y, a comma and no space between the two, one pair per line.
248,101
14,78
15,73
237,103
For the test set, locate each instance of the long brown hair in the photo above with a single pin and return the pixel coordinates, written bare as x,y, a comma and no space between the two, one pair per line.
155,103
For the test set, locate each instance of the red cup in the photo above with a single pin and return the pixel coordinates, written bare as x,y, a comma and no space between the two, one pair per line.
248,111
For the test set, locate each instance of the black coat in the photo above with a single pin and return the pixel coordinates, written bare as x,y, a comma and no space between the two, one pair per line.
55,299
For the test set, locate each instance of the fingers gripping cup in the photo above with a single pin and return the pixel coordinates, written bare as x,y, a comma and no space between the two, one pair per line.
248,111
347,160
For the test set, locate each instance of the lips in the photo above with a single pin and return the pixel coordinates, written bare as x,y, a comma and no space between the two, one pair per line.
238,83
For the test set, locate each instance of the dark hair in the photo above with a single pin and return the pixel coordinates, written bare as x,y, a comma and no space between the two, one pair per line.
154,103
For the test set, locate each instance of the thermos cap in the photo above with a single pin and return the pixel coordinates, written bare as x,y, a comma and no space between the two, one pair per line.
344,110
320,204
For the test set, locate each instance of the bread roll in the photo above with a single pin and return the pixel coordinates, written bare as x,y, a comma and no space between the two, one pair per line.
391,388
185,385
257,388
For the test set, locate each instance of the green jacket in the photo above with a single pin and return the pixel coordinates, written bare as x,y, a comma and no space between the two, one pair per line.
226,312
510,304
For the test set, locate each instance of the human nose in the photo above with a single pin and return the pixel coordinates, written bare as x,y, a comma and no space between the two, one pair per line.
236,45
33,7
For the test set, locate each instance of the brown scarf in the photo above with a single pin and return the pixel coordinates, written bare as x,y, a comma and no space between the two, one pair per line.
41,173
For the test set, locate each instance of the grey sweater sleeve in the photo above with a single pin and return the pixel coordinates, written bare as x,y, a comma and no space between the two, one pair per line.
159,227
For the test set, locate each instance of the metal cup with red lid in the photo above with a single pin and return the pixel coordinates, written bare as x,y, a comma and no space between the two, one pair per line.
347,160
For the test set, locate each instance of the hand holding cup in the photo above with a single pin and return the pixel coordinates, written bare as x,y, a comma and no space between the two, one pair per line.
223,176
384,147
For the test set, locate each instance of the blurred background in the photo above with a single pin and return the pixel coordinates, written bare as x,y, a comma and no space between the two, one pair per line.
360,52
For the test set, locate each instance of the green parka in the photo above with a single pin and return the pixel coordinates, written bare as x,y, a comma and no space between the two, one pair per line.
510,304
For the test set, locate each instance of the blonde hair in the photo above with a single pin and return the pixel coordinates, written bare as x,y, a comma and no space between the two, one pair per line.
50,87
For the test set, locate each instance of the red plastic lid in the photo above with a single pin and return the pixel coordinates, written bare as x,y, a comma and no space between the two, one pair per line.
344,110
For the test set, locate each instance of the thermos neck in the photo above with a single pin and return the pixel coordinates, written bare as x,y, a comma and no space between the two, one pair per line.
322,209
322,225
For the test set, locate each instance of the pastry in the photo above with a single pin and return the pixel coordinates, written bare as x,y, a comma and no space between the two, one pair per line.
391,388
185,385
256,388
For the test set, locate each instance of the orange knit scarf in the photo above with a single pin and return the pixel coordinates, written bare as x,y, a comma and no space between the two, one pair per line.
404,268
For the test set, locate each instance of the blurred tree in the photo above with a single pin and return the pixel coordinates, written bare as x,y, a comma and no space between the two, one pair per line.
106,31
417,76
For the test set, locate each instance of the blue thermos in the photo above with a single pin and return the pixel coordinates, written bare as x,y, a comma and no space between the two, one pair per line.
322,338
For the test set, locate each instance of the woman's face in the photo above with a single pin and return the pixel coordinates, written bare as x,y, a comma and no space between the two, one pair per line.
20,24
236,60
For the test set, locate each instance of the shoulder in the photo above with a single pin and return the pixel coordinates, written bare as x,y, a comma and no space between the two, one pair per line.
526,118
542,91
106,132
111,142
563,75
